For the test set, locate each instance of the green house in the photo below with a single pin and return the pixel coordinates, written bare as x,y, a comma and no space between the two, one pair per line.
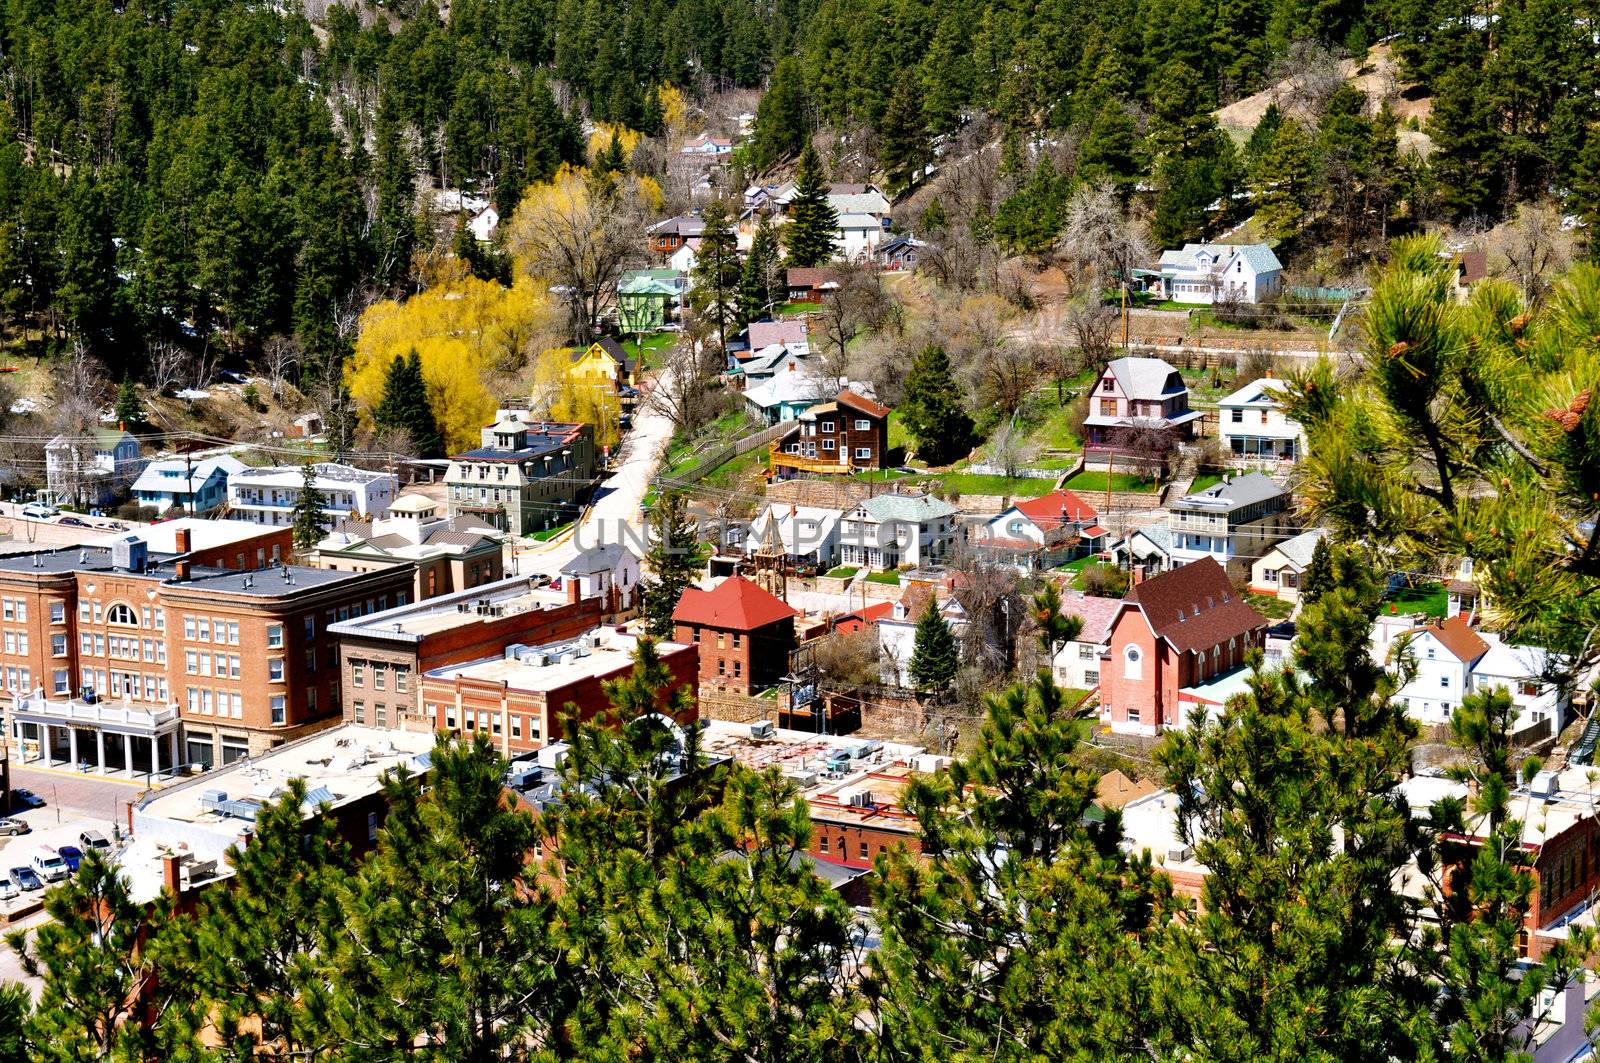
645,298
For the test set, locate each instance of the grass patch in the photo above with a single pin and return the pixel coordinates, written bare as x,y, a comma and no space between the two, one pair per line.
1270,607
898,436
1204,480
1430,598
730,472
550,533
1075,569
972,483
1094,480
650,351
797,308
843,572
891,577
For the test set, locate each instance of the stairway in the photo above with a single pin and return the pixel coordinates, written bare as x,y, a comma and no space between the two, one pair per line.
1583,749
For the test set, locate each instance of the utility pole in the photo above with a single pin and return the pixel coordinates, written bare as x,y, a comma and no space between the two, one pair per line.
1124,315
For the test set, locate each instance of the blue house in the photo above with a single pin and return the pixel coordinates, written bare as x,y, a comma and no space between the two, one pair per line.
198,486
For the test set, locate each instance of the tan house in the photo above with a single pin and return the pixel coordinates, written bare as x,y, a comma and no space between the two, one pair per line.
449,553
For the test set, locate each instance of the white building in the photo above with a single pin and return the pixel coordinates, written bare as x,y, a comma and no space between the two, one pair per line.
1252,423
89,469
267,496
888,531
197,485
1214,273
1278,571
809,533
1077,664
485,225
1452,660
857,237
1234,521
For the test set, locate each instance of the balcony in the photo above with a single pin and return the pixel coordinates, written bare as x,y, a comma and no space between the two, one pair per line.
1179,521
778,458
123,716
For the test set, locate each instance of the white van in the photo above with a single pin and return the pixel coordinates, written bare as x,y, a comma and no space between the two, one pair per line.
49,865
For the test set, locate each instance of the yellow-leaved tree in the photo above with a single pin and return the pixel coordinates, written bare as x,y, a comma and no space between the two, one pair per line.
468,332
560,396
600,139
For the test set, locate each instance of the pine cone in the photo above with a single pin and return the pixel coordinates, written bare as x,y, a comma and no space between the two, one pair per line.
1569,417
1399,348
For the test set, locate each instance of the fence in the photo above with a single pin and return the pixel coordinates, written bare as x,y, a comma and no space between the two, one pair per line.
722,455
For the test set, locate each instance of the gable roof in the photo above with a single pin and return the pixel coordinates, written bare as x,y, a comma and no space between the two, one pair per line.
1232,494
1097,614
610,346
1056,508
605,558
1116,789
766,333
1255,393
1145,378
735,604
1298,550
862,403
810,277
912,508
1194,607
1457,637
867,614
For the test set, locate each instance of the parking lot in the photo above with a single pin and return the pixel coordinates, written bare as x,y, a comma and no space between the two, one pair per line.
73,804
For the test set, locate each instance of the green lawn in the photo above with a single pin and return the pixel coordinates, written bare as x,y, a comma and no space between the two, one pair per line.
1270,607
1429,598
843,572
650,351
971,483
1092,480
1204,480
898,436
729,473
550,533
797,308
1076,568
891,577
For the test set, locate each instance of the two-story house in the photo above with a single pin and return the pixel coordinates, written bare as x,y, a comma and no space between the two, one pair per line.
604,365
897,632
806,534
1278,571
889,531
1077,664
1214,273
1173,638
525,477
196,486
1447,660
838,437
668,237
1233,522
1253,425
268,495
1146,390
90,468
1042,532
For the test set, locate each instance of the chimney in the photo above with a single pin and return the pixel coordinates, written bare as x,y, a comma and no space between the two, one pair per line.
171,875
183,540
183,572
573,594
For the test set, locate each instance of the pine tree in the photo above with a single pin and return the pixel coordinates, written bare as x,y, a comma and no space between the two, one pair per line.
394,233
782,128
1317,579
307,518
444,938
1108,149
114,987
932,411
129,411
935,655
970,967
813,223
1466,158
612,159
1282,182
717,282
761,287
1031,218
672,562
903,144
405,405
258,942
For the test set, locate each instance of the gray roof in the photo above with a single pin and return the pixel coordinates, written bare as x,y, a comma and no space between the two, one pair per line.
1144,378
1260,258
1298,550
914,508
260,583
1231,494
606,558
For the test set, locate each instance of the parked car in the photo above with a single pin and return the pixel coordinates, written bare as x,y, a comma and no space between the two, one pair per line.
13,826
22,797
39,511
8,891
93,839
74,522
49,865
72,855
24,879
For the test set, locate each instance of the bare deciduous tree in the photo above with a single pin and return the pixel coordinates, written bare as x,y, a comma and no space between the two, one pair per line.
1532,249
996,612
859,302
1002,374
1101,240
1146,445
846,661
688,391
280,356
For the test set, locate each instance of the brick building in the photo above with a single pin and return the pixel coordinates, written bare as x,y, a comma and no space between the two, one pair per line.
142,662
382,655
1172,639
744,634
520,695
239,544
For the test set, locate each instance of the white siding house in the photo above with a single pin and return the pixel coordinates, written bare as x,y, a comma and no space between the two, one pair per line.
1213,273
1252,423
267,496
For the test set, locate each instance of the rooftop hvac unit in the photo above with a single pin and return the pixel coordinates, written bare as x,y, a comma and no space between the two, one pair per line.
763,729
803,779
515,651
1178,853
552,755
568,657
864,799
1545,785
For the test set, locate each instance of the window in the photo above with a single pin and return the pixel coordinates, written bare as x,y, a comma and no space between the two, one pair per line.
191,662
122,614
378,676
358,673
822,843
1087,652
311,628
829,444
1131,663
863,425
311,658
863,849
1106,384
827,427
188,628
58,612
1444,681
274,635
204,632
1091,676
863,452
1133,714
1430,653
372,826
359,711
402,679
275,669
61,681
1236,416
279,708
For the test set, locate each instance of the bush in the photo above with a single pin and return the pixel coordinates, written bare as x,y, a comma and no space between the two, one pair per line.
1105,581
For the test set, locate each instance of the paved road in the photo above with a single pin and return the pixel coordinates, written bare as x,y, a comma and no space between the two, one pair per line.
614,514
71,794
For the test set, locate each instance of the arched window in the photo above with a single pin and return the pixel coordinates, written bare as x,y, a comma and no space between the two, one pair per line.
122,614
1132,668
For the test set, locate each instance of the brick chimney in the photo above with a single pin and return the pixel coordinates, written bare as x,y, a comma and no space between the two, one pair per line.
183,540
183,572
171,873
574,593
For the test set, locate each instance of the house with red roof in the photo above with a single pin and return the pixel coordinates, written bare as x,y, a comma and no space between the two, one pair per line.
744,634
1177,648
839,437
1043,532
865,617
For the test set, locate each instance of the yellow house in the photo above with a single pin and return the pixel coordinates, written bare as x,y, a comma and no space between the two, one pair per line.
602,361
